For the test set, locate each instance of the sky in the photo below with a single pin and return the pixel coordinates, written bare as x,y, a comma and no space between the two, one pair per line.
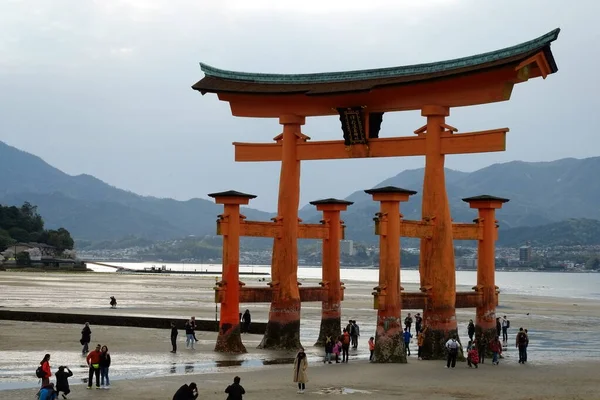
103,87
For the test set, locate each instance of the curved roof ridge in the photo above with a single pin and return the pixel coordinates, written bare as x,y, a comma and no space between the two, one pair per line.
378,73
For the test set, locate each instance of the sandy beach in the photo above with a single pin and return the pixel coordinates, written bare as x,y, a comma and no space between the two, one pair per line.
562,331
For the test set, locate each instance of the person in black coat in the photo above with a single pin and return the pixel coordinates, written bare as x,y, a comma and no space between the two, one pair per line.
235,390
86,338
471,329
247,320
62,380
174,334
187,392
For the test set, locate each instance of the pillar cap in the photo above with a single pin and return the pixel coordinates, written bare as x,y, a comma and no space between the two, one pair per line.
390,189
331,200
485,197
232,193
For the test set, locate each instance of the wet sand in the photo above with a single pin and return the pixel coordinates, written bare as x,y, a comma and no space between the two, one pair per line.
561,331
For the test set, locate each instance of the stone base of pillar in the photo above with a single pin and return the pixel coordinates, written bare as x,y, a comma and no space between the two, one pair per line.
329,327
389,342
441,325
485,335
283,327
230,340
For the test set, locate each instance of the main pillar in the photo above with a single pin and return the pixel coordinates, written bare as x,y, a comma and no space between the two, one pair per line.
229,339
331,311
438,277
389,342
485,323
283,327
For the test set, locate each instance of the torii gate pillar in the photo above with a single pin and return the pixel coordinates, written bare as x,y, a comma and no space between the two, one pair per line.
485,323
331,311
229,339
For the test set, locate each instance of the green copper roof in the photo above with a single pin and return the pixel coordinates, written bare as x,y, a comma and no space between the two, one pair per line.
419,69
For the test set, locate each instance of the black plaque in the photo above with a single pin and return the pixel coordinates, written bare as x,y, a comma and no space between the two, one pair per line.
353,126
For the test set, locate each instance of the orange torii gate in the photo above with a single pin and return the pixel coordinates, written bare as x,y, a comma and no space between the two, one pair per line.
361,98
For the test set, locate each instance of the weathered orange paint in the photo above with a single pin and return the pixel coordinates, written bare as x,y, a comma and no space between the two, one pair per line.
404,146
486,263
274,229
437,254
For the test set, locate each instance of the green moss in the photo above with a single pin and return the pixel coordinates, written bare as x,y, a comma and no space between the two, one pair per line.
280,336
230,340
329,327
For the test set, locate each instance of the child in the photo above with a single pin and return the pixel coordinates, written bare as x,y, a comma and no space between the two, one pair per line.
336,350
473,356
235,391
328,349
371,347
62,381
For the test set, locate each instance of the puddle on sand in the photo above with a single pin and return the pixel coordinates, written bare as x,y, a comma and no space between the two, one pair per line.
341,390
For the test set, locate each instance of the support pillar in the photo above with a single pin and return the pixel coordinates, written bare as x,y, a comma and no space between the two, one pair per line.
229,339
283,327
438,275
389,342
331,310
485,323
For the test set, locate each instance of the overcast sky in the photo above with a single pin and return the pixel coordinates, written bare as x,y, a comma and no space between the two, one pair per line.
103,87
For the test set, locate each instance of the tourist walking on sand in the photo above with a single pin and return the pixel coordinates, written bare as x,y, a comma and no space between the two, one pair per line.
473,356
496,348
186,392
104,366
371,347
300,367
482,347
527,344
408,322
345,345
62,381
407,336
247,318
355,334
505,326
471,329
189,335
47,373
521,344
328,349
113,302
235,391
86,338
418,323
337,348
93,362
194,326
47,392
498,326
420,343
452,347
174,334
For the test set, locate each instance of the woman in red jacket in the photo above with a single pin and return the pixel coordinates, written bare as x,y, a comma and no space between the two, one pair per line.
45,363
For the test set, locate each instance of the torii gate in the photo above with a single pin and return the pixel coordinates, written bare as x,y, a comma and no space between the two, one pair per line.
361,98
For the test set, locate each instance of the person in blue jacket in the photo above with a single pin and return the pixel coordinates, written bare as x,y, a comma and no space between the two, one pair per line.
407,337
47,392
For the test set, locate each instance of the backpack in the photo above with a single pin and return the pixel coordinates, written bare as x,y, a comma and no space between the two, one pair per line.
39,372
507,324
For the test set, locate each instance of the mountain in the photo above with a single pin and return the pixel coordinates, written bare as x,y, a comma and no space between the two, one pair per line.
573,231
93,210
540,193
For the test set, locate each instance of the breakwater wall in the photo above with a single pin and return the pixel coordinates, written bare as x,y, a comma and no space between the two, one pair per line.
117,320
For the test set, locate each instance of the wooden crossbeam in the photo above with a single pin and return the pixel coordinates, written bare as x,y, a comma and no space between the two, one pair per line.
466,232
423,230
274,229
415,229
460,143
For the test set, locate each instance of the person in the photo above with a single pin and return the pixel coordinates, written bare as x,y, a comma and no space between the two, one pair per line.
498,326
371,347
247,320
300,367
113,302
355,334
527,344
45,364
93,362
481,347
521,344
407,336
186,392
418,323
473,356
174,334
189,335
86,338
345,345
351,329
408,322
328,349
337,348
62,381
47,392
235,390
420,343
104,366
471,329
505,326
496,348
452,347
194,326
